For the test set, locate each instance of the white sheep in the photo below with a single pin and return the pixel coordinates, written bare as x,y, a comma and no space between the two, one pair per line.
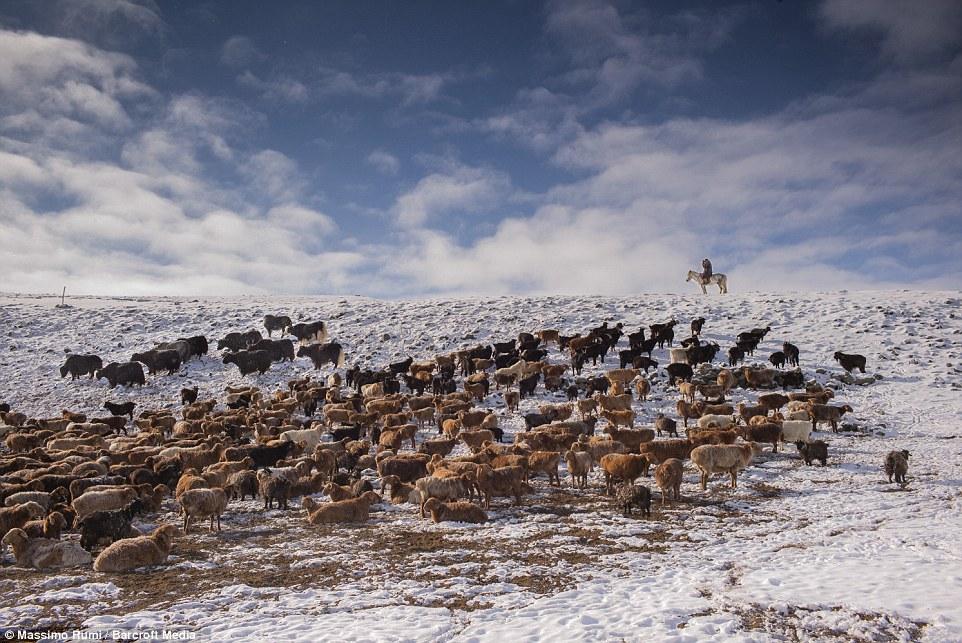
723,458
443,489
579,466
796,430
678,355
308,438
103,500
720,421
203,503
44,553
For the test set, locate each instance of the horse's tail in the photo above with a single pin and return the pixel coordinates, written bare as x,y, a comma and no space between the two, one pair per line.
340,357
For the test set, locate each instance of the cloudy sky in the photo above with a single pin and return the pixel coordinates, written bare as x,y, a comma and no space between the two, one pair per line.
403,149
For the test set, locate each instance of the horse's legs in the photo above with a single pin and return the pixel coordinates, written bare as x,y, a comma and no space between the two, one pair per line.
703,291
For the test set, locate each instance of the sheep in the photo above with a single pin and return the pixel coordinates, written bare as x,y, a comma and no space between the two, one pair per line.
307,438
814,450
631,438
620,418
455,511
725,379
353,510
545,462
474,439
643,388
401,493
131,553
242,483
202,503
622,466
598,447
758,378
632,495
271,486
668,477
407,469
440,446
777,359
768,433
701,408
698,437
50,527
43,553
662,450
114,525
723,458
677,355
499,482
850,362
614,402
338,492
687,411
42,498
17,517
827,413
897,465
450,488
687,391
579,466
796,430
773,401
746,413
819,397
717,421
106,500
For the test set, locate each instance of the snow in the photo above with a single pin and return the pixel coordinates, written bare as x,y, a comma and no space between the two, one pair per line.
833,553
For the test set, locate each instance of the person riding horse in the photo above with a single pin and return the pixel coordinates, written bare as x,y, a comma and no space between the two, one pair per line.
706,270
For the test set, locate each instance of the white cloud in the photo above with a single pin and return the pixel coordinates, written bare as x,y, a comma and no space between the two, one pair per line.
457,191
239,51
280,88
909,29
384,162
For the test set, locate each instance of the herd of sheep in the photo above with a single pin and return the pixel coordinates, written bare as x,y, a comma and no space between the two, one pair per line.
429,433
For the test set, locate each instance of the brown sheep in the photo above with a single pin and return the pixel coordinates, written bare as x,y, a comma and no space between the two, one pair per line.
545,462
631,438
614,402
475,439
443,488
626,467
407,469
438,446
687,411
512,400
723,458
502,481
353,510
44,553
712,436
579,466
17,517
827,413
338,492
455,511
50,527
588,408
758,377
643,388
620,418
131,553
748,412
772,401
668,477
203,503
769,433
598,446
662,450
725,379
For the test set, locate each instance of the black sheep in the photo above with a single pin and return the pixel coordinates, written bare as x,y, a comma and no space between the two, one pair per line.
679,371
188,395
644,363
777,359
696,325
527,386
811,451
113,525
126,408
268,456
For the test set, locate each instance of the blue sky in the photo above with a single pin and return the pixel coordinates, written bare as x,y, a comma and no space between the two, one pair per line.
403,149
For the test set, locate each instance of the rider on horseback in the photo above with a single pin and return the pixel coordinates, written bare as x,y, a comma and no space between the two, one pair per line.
706,270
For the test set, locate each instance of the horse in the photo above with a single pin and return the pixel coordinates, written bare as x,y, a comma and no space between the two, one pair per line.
718,279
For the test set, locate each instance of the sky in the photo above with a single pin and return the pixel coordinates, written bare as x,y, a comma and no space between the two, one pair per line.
399,149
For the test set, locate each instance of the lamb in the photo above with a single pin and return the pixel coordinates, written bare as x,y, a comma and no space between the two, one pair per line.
132,553
772,401
43,553
699,437
202,503
499,482
598,447
50,527
643,388
450,488
622,466
827,413
668,477
338,492
897,465
579,466
850,362
106,500
273,487
475,439
632,495
814,450
545,462
768,433
748,412
353,510
455,511
758,377
307,438
723,458
614,402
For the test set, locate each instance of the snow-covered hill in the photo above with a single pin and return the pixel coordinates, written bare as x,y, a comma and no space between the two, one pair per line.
794,552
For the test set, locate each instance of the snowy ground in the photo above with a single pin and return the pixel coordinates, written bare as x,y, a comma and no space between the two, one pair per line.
794,553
